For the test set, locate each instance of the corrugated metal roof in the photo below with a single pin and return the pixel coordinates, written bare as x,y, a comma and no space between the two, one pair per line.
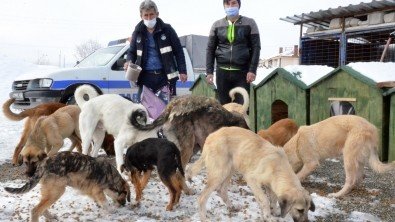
323,17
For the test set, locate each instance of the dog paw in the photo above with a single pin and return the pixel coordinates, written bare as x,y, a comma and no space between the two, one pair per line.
189,191
50,217
110,209
136,204
333,195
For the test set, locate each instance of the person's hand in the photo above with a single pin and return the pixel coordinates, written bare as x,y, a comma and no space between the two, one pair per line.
250,77
125,66
210,79
183,77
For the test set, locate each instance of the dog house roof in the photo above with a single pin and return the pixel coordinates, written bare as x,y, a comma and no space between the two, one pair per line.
371,73
301,75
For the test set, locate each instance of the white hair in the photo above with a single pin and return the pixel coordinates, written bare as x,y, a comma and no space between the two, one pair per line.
148,5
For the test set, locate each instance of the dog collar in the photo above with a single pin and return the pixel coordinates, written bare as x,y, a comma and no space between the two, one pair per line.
160,134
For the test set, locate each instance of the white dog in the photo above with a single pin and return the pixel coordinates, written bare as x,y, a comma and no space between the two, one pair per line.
111,113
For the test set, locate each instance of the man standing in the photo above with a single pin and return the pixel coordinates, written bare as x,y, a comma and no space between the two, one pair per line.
234,43
156,47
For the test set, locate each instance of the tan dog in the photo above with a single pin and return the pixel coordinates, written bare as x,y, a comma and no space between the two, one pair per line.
31,116
261,164
93,177
280,132
350,135
238,108
48,134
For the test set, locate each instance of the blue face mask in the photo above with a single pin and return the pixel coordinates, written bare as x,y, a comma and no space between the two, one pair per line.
232,11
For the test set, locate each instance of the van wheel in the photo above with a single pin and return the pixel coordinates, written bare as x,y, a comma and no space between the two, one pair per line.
71,100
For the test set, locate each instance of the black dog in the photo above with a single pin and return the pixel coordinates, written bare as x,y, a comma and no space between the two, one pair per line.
142,156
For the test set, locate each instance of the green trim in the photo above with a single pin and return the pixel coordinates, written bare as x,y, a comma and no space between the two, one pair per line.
285,74
202,77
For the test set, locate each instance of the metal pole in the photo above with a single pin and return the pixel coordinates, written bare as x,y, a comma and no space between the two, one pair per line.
343,45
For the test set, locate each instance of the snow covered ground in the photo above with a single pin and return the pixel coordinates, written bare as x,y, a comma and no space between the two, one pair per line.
75,207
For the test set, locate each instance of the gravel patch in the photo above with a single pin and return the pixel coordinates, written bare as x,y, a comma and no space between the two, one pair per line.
373,199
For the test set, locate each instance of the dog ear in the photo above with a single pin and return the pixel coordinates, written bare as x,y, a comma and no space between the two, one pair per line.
285,205
309,199
41,156
20,160
312,206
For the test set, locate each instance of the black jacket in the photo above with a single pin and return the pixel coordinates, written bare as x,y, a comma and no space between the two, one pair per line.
243,53
168,46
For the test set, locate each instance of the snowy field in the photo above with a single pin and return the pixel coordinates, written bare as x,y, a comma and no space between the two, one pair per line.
75,207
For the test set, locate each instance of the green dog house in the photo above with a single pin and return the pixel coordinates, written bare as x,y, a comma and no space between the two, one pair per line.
283,93
201,88
353,89
390,98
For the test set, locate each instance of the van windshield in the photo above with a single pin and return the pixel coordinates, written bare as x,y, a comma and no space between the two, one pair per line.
100,57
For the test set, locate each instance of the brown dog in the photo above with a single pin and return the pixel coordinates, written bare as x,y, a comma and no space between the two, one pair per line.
238,108
187,121
32,115
232,149
94,177
48,134
280,132
350,135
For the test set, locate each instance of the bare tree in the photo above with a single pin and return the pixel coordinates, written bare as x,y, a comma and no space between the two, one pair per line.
84,49
42,59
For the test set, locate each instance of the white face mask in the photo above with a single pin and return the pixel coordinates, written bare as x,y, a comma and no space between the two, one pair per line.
150,23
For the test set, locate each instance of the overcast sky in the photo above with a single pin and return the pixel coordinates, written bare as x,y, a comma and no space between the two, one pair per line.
33,28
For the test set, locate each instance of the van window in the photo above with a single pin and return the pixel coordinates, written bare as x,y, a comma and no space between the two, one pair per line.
100,57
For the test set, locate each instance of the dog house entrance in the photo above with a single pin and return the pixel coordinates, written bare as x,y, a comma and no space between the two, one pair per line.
342,107
279,110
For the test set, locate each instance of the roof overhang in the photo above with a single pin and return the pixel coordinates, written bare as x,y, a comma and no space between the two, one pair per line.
322,18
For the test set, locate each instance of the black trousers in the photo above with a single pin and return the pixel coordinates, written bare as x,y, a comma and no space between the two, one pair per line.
229,79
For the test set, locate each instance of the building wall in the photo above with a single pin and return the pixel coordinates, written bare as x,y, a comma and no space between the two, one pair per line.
278,88
368,104
280,62
391,148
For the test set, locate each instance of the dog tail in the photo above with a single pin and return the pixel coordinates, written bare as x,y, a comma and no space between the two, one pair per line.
377,165
243,92
374,161
14,116
84,90
178,161
139,115
34,180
